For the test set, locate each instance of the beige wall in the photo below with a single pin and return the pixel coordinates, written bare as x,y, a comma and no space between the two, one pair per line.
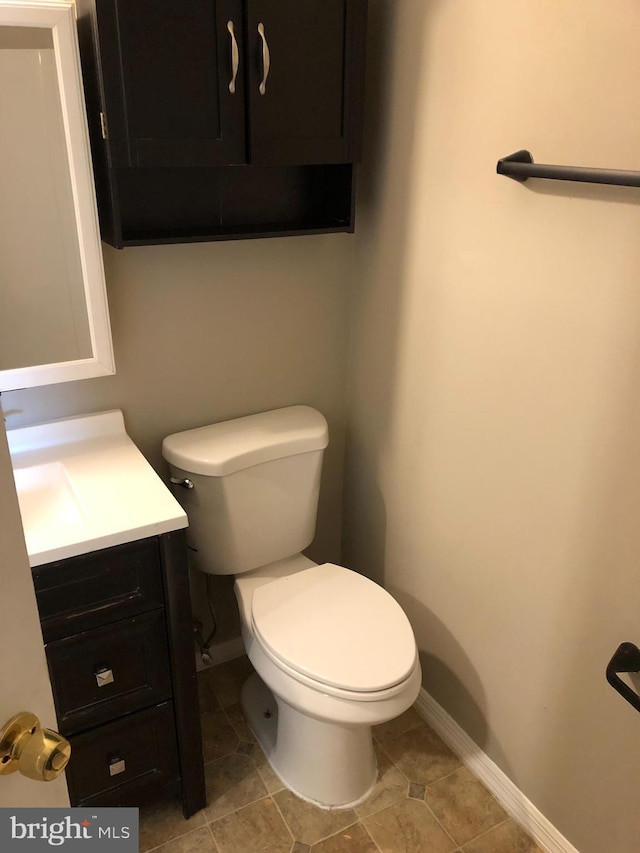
493,456
211,331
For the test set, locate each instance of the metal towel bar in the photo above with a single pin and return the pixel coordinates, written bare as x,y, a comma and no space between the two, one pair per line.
520,166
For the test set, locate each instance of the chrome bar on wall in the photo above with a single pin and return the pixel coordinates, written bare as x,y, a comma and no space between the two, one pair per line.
520,167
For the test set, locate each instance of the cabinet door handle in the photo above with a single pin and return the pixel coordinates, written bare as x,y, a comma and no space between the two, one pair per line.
235,58
266,59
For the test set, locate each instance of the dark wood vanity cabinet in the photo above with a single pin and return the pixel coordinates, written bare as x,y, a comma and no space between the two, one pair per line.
117,630
219,119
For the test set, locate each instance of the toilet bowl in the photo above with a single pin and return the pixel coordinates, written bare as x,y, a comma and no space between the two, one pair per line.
333,652
334,655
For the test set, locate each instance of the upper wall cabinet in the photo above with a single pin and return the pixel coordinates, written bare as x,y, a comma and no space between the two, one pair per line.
218,119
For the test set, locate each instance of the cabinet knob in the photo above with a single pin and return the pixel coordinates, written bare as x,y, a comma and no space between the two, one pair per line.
266,59
104,676
38,753
117,765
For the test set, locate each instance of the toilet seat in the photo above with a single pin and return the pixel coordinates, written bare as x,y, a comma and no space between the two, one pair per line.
336,629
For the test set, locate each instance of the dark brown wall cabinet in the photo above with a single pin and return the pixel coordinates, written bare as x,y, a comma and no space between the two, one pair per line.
221,119
118,638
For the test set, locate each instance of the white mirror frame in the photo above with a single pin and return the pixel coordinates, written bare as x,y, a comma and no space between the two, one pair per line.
59,17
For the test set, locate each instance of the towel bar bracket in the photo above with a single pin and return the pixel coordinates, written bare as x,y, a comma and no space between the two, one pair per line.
519,157
520,167
625,659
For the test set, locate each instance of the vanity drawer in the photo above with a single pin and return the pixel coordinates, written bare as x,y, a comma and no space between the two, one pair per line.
98,588
113,764
101,674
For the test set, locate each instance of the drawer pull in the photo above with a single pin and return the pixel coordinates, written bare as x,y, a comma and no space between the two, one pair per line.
104,676
116,765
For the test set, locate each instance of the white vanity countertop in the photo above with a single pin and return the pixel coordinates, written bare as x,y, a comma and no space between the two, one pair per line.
83,485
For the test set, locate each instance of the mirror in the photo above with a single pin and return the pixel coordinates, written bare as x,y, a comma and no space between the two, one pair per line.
54,323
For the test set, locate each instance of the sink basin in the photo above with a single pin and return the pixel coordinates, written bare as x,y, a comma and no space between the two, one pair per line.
83,485
46,496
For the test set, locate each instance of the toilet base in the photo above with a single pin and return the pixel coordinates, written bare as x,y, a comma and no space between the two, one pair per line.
331,766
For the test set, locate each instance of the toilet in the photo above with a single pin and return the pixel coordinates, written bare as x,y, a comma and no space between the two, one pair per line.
334,654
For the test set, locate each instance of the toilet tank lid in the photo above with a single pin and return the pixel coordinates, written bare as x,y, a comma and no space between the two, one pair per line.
224,448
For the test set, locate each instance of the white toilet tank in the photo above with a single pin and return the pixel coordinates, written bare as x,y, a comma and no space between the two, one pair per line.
255,490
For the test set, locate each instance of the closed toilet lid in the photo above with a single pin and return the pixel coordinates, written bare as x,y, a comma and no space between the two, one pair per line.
336,627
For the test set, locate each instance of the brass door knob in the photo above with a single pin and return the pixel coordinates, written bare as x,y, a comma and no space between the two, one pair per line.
38,753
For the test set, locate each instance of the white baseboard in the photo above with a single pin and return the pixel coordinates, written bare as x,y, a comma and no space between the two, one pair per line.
221,652
492,777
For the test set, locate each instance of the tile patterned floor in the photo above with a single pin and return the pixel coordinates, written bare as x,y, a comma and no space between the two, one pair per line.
425,800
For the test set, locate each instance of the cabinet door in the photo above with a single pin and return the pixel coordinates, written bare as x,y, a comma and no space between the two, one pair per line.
167,69
304,76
